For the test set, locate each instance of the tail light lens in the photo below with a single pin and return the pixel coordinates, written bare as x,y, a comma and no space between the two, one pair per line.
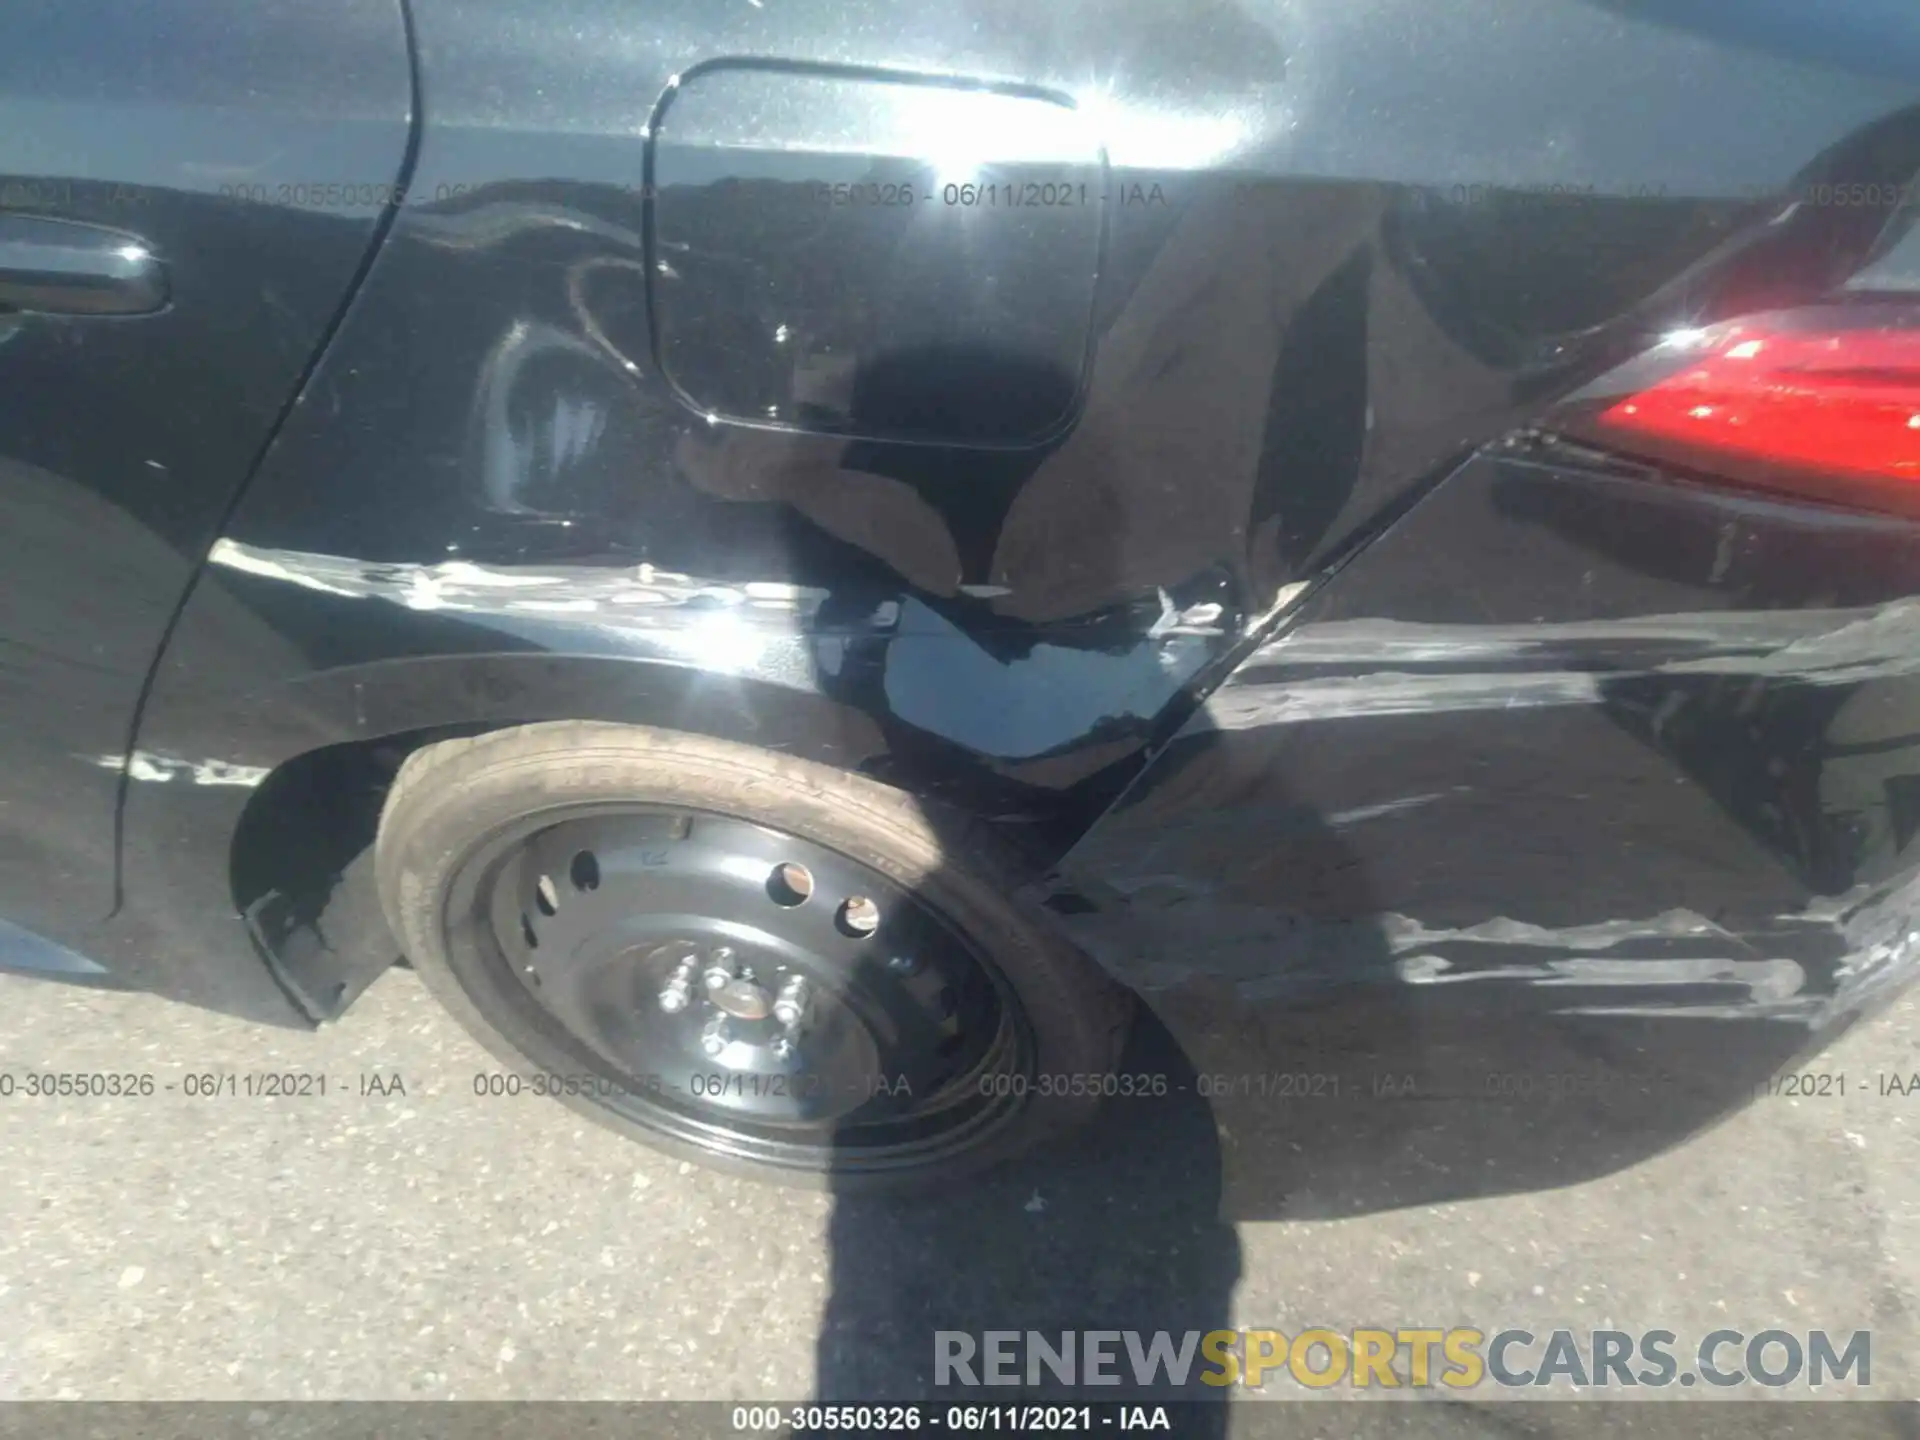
1823,402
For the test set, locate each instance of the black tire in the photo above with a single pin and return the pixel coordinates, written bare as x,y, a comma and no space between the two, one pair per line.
452,801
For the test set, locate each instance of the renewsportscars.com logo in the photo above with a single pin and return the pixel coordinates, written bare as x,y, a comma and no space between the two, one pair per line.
1376,1359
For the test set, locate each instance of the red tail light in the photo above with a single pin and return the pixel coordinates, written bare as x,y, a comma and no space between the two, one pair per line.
1811,400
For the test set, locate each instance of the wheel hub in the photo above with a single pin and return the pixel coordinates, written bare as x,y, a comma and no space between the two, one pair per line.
742,999
735,1009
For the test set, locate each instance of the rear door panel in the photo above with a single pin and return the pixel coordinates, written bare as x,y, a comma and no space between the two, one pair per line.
253,146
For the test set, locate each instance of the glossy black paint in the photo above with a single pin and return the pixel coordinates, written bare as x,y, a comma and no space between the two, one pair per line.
124,438
1339,250
817,256
1487,877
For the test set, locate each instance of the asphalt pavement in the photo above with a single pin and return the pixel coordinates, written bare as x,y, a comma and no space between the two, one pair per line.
404,1237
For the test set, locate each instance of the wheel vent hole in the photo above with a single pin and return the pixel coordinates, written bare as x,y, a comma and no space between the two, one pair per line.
949,1045
949,1002
547,896
526,931
585,871
858,916
790,884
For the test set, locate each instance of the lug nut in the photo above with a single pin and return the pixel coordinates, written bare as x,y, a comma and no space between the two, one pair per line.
782,1048
715,1037
790,1006
677,993
903,964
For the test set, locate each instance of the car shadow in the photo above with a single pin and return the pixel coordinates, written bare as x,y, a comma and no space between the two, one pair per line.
1118,1229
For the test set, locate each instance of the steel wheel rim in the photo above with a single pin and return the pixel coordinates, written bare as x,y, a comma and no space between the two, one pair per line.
909,1046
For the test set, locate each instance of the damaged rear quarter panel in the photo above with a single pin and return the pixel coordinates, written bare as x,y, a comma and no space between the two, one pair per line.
1563,818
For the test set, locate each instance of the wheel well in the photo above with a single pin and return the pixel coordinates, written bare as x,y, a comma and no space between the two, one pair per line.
301,871
301,863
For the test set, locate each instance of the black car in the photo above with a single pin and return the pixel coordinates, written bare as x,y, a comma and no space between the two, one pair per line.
809,568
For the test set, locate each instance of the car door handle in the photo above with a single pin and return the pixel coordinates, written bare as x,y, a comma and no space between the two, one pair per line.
63,267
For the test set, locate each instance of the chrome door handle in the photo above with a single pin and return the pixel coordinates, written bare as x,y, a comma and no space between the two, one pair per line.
63,267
